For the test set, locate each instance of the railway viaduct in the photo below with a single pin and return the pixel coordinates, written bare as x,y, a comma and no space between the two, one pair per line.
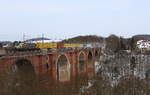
60,66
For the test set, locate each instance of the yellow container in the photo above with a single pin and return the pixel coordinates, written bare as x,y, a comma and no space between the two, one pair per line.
72,45
46,45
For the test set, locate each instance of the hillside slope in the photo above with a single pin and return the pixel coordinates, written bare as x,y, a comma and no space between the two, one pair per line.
84,39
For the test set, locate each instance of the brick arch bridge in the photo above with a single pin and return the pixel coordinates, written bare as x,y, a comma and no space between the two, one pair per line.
59,65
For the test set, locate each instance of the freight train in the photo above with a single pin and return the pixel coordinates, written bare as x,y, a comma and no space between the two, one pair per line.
58,45
42,47
47,45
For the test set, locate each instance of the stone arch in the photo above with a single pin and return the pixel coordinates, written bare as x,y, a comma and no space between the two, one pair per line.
90,55
20,74
23,64
22,70
47,65
90,60
63,68
96,54
81,58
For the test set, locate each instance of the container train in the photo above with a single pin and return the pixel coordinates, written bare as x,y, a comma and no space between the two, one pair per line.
58,45
42,47
48,45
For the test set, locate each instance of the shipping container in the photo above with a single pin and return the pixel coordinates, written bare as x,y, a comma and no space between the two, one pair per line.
46,45
60,45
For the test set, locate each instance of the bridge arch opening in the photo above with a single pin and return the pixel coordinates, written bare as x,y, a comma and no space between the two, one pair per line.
23,65
63,68
47,65
22,71
96,54
90,56
90,59
81,61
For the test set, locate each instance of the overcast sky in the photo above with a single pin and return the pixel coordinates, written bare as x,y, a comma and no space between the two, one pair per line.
68,18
